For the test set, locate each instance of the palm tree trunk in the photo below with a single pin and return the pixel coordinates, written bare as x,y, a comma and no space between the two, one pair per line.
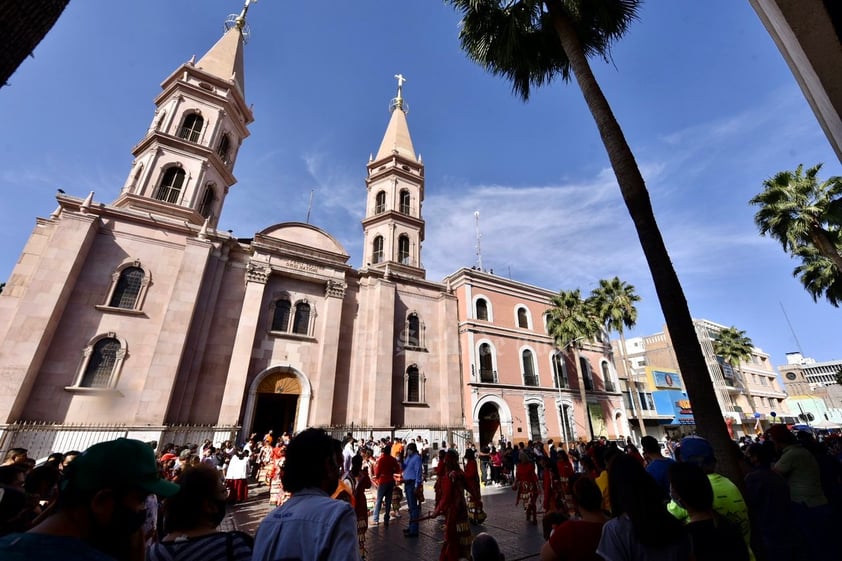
633,388
709,419
825,246
582,395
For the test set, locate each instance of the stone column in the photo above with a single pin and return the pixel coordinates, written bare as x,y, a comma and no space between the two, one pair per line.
164,368
325,379
238,371
380,349
34,300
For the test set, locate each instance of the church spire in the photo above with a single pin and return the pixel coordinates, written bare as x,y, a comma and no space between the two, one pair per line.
397,141
184,166
225,58
393,227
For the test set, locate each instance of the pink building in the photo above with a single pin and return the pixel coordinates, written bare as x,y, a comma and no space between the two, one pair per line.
519,385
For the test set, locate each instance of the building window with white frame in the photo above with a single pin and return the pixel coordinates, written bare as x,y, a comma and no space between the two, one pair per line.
522,317
482,309
530,378
534,412
560,379
587,373
607,380
487,375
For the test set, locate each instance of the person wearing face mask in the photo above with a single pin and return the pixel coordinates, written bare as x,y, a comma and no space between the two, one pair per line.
191,518
100,508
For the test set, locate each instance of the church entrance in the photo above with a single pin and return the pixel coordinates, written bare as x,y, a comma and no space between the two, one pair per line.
489,424
276,404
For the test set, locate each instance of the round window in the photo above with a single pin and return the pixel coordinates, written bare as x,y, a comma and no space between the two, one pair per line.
791,376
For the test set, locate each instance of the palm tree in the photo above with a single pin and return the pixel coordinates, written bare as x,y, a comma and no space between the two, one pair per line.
734,346
531,42
819,275
797,210
571,321
613,301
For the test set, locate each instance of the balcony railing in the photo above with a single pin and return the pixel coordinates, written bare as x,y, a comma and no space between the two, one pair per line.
530,380
487,376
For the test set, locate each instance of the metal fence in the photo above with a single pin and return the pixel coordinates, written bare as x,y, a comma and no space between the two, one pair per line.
434,435
40,439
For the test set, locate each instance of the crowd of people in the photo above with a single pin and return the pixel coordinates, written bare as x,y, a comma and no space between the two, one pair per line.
124,500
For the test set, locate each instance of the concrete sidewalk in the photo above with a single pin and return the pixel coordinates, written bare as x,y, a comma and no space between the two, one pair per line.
506,522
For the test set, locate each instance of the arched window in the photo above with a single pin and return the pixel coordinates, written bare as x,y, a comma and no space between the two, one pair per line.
380,202
206,208
568,433
534,421
223,148
404,201
587,374
486,365
522,318
301,321
413,331
413,384
280,320
377,250
606,377
560,379
101,362
169,190
192,127
403,249
125,294
482,309
136,178
529,376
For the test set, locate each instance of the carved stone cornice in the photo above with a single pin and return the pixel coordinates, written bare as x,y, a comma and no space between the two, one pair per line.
335,289
257,272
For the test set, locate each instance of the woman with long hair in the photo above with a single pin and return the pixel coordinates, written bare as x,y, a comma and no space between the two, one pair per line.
472,483
642,528
526,485
457,531
360,482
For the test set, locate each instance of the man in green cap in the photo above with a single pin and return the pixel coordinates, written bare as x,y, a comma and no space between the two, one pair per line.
100,508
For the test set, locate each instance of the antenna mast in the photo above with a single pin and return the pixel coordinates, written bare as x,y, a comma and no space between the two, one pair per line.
310,205
479,237
789,323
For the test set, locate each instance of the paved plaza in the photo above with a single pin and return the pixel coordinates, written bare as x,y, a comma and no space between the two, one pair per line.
506,522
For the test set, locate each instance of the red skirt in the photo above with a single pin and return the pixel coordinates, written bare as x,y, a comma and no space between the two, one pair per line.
238,489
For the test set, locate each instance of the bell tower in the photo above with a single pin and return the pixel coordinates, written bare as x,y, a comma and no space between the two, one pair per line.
184,165
393,228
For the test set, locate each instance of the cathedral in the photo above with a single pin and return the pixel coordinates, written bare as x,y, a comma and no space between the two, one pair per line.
141,318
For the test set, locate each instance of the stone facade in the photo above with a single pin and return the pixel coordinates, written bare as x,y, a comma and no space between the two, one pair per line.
140,318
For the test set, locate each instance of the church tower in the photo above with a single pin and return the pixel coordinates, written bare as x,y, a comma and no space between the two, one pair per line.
183,167
393,228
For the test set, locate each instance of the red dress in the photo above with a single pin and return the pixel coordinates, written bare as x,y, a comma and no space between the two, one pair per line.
472,486
360,485
457,531
565,472
526,484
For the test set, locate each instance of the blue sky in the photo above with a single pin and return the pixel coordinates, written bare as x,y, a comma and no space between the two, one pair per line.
707,103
